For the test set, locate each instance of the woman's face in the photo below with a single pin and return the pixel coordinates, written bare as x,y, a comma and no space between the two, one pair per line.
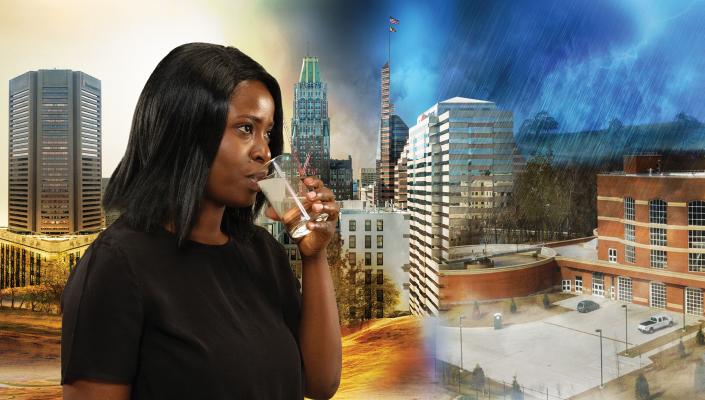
244,147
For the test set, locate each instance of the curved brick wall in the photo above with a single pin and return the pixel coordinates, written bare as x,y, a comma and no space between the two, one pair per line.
498,283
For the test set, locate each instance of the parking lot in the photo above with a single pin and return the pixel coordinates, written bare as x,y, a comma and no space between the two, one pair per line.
561,353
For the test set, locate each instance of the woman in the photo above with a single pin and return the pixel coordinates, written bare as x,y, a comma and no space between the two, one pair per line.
184,296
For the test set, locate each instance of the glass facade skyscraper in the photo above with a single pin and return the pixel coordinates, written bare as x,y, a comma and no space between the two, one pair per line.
460,167
393,135
310,126
55,153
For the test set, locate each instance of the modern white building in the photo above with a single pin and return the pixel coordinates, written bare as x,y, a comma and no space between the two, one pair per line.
460,167
378,239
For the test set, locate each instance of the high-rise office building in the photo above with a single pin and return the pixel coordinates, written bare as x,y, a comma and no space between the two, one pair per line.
55,153
460,166
310,126
393,135
341,178
400,180
368,176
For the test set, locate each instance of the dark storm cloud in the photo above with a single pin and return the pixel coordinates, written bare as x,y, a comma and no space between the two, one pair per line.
585,63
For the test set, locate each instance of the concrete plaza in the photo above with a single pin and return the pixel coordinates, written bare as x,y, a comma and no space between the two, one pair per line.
560,354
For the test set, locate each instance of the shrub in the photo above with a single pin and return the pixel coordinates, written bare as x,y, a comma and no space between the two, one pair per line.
516,393
478,378
700,337
700,376
476,310
513,306
641,388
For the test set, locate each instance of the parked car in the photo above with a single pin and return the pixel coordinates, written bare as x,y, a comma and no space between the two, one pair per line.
587,306
656,322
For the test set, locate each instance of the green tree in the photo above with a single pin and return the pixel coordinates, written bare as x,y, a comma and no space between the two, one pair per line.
46,296
478,378
516,393
641,388
347,283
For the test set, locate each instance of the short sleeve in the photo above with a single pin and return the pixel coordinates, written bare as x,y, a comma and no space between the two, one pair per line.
102,318
289,285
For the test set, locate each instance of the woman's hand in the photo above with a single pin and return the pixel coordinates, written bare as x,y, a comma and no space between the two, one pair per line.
320,199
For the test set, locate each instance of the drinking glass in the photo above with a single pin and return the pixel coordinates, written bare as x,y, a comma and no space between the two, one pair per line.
286,192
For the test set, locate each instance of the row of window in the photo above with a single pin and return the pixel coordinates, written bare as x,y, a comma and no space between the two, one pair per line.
352,258
352,241
658,258
657,292
658,213
352,225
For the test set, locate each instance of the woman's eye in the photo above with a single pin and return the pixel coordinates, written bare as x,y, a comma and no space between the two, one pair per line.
246,128
269,135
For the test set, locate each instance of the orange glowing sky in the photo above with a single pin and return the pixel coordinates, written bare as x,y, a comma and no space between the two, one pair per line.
120,43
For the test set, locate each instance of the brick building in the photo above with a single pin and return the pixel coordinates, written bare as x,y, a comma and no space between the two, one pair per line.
651,239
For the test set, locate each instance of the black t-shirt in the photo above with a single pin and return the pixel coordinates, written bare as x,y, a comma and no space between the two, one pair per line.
206,322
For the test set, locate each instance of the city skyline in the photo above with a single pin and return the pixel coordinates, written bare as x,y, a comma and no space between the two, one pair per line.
645,61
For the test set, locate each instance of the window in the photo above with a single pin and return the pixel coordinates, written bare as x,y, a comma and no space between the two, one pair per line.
694,301
598,284
658,259
696,213
368,258
380,297
578,284
657,236
368,225
380,276
368,241
612,255
629,234
368,277
352,225
696,239
352,242
657,212
565,285
696,262
380,241
657,295
352,258
380,225
624,288
380,258
629,208
629,254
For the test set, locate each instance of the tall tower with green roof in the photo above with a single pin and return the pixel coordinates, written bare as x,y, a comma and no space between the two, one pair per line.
310,126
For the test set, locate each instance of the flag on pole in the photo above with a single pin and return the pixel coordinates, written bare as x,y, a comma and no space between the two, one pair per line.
391,29
393,21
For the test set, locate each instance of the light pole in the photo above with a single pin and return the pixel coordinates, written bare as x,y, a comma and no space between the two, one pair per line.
626,342
601,380
460,328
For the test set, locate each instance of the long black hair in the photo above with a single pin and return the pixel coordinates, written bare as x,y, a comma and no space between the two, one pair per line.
176,132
